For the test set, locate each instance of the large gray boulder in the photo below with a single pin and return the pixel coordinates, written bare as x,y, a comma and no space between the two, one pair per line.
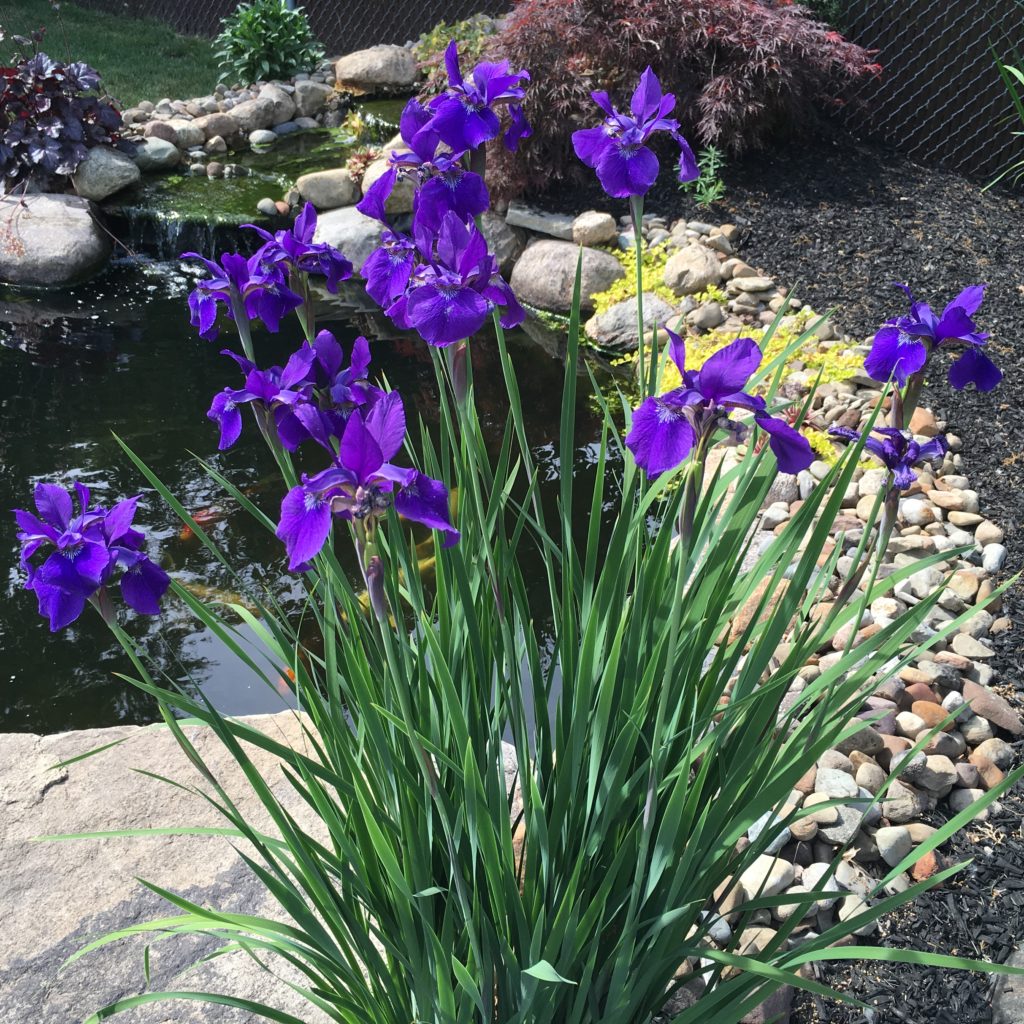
103,172
311,97
283,104
219,124
188,133
329,190
153,155
60,895
545,275
378,69
253,114
615,328
402,195
49,241
348,230
504,242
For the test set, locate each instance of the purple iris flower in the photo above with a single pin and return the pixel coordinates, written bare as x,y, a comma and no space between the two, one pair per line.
617,148
903,346
465,116
450,189
453,291
277,388
297,251
310,397
248,285
666,428
443,184
338,389
387,269
87,550
897,451
361,485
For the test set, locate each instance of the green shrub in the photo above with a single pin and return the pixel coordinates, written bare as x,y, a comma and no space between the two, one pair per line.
263,40
829,11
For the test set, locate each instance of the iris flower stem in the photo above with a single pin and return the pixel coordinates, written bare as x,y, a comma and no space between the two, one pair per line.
241,319
692,486
299,283
910,399
636,210
261,415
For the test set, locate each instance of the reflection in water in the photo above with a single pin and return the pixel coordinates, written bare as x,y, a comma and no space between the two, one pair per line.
118,357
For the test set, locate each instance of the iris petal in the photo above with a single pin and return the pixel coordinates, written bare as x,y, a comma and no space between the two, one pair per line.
974,367
661,436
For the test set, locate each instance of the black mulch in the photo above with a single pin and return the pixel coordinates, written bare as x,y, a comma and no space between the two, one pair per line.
841,221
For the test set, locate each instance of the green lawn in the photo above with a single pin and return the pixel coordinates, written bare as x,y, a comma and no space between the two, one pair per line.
137,59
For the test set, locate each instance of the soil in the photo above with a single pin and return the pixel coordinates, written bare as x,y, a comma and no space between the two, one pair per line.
840,221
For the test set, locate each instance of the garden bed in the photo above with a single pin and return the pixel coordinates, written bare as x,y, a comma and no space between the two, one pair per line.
845,220
841,220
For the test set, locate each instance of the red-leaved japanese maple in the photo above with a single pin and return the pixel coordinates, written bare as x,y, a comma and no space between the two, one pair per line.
745,72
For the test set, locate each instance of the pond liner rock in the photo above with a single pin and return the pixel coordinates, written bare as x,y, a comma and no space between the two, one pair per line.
60,896
50,241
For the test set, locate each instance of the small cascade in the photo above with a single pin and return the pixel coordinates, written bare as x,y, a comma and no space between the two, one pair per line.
158,234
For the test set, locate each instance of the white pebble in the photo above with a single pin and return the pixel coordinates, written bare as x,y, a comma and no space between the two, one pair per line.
993,557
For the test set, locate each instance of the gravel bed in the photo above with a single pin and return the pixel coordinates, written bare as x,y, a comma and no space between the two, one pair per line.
845,220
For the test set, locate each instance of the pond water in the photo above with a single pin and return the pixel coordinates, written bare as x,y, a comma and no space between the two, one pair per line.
118,356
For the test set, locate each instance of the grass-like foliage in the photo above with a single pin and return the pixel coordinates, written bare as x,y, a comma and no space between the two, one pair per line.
1012,74
265,39
747,72
648,729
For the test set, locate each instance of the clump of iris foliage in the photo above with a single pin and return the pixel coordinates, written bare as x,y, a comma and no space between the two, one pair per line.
647,739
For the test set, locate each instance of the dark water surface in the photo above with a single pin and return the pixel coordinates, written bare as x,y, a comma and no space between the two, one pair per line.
118,356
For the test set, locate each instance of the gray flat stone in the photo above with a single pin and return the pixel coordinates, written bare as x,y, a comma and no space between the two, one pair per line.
1008,996
60,895
555,225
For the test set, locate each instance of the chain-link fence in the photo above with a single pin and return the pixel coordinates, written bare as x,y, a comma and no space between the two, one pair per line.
341,25
940,97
